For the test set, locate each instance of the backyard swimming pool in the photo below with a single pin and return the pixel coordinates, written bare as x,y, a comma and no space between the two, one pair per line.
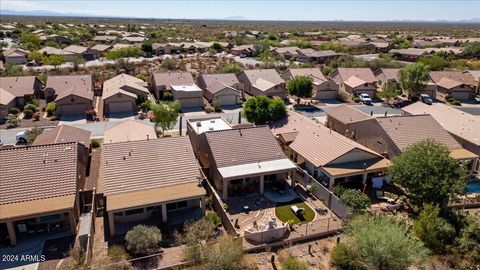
473,187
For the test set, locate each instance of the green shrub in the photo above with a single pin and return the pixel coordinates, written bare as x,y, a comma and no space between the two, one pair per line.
455,102
447,97
146,105
291,263
356,99
143,238
434,231
343,97
30,107
117,253
95,143
14,110
346,257
51,108
216,106
214,218
27,114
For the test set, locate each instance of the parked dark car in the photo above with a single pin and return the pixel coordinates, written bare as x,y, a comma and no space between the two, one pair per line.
401,103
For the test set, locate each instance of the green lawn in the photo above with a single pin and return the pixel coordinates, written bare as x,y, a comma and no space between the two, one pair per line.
284,213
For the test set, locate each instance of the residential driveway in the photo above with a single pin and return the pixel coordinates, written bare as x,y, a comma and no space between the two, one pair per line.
121,116
72,120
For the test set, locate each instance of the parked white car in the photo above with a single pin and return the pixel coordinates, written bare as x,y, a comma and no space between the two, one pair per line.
365,99
22,137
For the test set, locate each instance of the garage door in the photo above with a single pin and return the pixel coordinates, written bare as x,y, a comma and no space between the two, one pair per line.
74,109
326,95
461,95
191,102
120,107
227,99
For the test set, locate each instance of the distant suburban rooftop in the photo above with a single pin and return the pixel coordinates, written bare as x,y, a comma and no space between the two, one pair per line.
459,123
128,131
214,124
148,164
173,77
269,75
387,74
347,114
314,73
101,47
75,49
365,74
450,79
40,172
64,134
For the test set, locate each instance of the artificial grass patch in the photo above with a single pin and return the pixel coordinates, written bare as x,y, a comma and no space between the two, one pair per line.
285,214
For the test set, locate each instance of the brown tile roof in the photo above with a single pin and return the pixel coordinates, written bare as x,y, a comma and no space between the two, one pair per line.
410,51
15,52
75,49
80,85
449,79
217,82
457,122
409,129
64,134
269,75
18,86
173,78
148,164
314,73
364,74
234,147
124,83
37,207
5,97
347,114
316,143
128,131
38,172
101,47
387,74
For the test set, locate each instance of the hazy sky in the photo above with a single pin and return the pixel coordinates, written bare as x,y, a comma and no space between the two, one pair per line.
262,10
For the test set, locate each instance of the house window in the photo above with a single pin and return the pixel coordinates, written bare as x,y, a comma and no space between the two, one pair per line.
72,100
49,218
176,205
134,211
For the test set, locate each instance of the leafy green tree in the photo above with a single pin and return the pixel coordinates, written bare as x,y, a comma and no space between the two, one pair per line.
428,173
300,86
165,114
130,51
195,237
31,41
472,49
292,263
356,200
256,109
413,78
51,108
169,63
77,61
277,109
434,231
390,91
261,48
434,62
326,70
55,60
378,243
216,46
36,56
231,68
147,47
143,238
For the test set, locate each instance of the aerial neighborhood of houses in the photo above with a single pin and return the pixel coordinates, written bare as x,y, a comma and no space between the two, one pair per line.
107,127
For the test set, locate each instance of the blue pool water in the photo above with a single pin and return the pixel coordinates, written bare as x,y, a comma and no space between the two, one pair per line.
473,187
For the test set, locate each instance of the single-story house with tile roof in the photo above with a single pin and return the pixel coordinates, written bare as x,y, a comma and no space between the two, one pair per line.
27,207
122,93
476,77
65,134
287,52
81,51
15,56
105,39
343,115
162,82
325,154
129,131
169,186
322,87
387,76
101,49
246,50
59,39
321,57
263,82
355,81
54,51
189,96
73,94
239,159
461,125
24,88
459,85
390,135
7,101
222,87
410,54
165,48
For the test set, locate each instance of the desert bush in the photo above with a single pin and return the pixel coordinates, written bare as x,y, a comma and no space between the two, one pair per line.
214,218
356,99
142,238
14,110
455,102
30,107
356,200
292,263
51,108
434,231
95,143
216,106
27,113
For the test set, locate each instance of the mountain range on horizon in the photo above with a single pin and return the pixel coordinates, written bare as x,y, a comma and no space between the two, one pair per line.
47,13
